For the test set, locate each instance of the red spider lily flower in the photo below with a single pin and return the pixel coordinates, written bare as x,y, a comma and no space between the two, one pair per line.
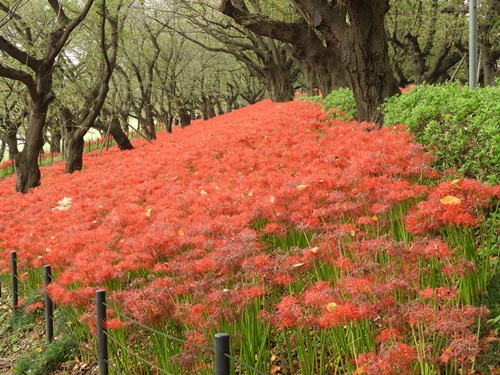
461,351
388,334
451,203
393,359
289,312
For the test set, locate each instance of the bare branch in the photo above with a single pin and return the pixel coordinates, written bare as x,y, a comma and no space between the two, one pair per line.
59,44
19,55
20,76
9,12
56,6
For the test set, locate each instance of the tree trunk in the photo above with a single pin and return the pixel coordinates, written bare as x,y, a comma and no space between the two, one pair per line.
327,68
307,48
310,79
11,140
2,149
488,42
418,63
185,118
365,58
73,141
27,170
358,28
55,141
73,152
144,129
208,110
278,85
489,65
119,136
167,118
40,90
150,122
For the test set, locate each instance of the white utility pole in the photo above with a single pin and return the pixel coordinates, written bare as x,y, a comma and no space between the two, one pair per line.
472,44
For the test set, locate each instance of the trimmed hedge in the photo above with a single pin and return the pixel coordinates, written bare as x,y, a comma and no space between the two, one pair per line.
460,126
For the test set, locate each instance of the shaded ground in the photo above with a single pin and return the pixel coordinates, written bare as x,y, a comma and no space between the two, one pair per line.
23,346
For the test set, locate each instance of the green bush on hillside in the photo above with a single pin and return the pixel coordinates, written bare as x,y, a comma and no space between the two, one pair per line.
47,361
340,103
460,126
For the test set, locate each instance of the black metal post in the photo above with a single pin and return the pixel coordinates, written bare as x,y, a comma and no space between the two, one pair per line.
102,339
49,306
15,292
222,362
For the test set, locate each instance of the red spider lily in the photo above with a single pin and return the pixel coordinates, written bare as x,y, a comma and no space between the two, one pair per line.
393,359
457,203
193,213
289,312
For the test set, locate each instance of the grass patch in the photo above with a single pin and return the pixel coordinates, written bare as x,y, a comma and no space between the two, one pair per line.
45,360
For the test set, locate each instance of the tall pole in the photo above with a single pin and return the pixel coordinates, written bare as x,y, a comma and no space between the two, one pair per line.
472,44
222,362
15,292
102,339
49,306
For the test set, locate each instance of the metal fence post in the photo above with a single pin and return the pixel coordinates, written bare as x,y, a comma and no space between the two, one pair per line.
222,362
102,339
15,292
49,306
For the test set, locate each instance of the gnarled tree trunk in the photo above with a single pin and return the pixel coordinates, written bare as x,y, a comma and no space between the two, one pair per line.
278,84
73,141
358,26
11,140
308,50
27,170
55,141
116,131
73,153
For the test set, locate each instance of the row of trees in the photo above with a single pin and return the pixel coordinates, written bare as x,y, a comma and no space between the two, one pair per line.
69,66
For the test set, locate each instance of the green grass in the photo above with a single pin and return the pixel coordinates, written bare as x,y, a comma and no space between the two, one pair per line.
44,361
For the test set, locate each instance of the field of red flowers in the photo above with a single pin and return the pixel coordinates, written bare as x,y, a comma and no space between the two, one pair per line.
337,240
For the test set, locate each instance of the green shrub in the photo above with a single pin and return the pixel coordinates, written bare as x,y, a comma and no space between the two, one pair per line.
460,126
340,103
46,361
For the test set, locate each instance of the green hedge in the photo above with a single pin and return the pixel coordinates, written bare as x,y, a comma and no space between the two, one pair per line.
340,103
460,126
